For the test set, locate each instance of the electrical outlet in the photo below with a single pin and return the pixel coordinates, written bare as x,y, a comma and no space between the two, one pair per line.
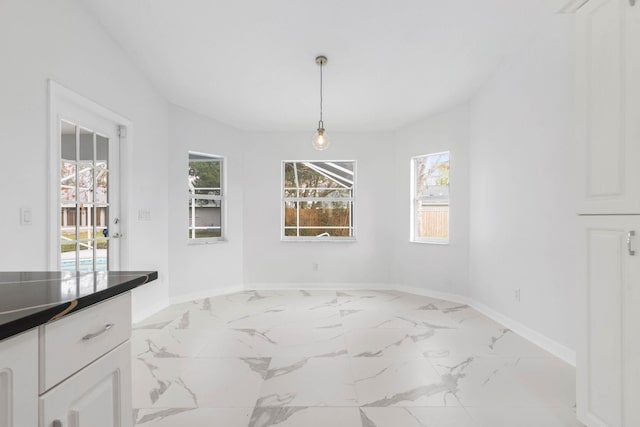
315,266
517,294
25,216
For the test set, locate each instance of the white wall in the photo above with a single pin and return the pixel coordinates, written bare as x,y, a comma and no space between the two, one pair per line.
522,215
56,39
442,268
198,269
365,262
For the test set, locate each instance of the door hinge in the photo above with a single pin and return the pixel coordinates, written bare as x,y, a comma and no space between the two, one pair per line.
122,131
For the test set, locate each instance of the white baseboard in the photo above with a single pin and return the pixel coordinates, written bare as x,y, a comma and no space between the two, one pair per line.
213,292
330,286
546,343
542,341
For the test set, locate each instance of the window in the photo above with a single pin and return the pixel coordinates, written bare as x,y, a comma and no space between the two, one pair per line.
318,200
206,198
430,198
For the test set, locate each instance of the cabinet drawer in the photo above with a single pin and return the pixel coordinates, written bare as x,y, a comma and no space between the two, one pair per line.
73,342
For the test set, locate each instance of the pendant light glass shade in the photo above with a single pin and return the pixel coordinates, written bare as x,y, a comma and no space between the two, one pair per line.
320,140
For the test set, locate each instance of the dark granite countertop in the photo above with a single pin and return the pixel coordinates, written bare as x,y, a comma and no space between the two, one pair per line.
30,299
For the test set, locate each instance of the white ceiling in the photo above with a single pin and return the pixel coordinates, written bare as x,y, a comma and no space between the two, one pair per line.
250,63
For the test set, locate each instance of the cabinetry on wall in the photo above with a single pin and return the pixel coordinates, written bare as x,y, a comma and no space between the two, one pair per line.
608,107
75,371
19,380
608,136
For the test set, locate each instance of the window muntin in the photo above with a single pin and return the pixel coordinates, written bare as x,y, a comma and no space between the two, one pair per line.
206,197
318,200
430,194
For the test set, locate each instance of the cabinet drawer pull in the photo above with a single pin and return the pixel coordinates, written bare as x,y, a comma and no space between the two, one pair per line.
100,332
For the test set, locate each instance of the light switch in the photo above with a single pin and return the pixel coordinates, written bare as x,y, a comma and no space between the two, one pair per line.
25,216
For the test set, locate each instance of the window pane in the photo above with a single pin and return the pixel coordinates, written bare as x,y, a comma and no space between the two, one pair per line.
433,221
431,198
317,179
205,176
290,213
67,181
334,214
205,218
432,176
323,182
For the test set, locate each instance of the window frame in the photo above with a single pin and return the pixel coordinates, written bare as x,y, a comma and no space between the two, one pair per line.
415,199
284,199
222,198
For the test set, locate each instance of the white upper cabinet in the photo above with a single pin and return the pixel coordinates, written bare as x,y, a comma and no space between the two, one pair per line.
608,107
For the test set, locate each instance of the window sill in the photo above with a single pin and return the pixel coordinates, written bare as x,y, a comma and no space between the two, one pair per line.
198,242
430,242
318,239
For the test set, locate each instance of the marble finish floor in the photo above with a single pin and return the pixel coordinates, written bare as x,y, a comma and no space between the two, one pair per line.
341,358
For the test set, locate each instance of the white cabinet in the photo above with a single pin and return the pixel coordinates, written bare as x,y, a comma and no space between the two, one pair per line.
608,107
608,365
19,380
85,367
97,396
608,152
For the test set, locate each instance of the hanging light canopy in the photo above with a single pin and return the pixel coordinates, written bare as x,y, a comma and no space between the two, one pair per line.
320,139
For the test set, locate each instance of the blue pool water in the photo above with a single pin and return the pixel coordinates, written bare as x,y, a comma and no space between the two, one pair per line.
85,265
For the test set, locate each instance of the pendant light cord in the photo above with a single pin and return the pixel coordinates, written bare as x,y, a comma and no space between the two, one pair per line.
321,123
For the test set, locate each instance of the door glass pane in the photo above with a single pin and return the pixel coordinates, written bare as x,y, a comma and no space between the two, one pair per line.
68,141
86,145
67,255
102,246
85,182
67,181
102,221
68,223
102,149
85,252
84,200
101,192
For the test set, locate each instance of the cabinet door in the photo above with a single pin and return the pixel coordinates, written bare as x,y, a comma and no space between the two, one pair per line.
608,376
19,380
607,107
97,396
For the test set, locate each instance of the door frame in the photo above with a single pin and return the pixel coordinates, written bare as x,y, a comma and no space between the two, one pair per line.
67,104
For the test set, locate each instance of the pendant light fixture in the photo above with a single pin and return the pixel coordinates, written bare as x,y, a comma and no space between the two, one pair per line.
320,139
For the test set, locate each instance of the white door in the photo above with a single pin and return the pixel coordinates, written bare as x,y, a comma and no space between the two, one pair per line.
88,208
608,107
97,396
608,365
